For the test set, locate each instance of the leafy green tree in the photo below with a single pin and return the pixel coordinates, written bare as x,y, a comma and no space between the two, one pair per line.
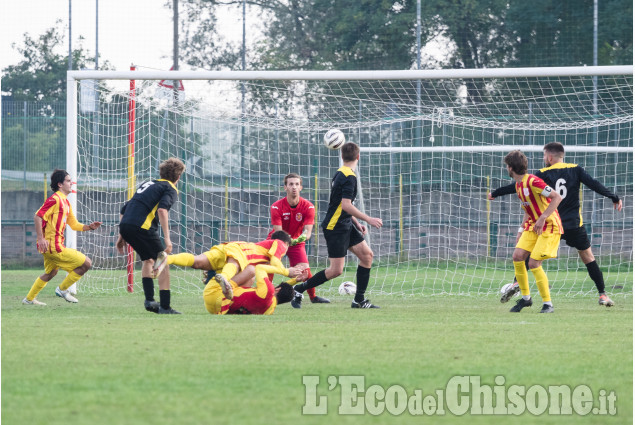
41,74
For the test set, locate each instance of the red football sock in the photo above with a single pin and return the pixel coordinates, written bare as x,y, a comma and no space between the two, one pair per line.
310,291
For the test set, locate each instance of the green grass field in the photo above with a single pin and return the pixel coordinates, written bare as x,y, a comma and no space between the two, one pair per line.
108,361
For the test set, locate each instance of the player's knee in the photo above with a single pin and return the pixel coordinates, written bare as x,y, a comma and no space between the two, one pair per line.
517,257
533,264
87,264
50,275
334,272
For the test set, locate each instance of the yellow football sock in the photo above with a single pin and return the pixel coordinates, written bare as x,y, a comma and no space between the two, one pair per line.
543,283
229,270
522,277
69,280
38,285
184,259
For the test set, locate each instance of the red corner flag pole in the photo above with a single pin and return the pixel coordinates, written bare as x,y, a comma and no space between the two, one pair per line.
131,175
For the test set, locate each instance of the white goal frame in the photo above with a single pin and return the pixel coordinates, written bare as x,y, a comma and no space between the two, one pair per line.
74,76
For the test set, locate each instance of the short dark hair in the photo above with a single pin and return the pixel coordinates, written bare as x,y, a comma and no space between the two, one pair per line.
285,294
171,169
517,161
292,176
350,151
554,148
281,235
57,177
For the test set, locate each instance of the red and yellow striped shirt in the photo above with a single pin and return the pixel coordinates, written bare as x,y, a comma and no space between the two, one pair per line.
56,213
532,192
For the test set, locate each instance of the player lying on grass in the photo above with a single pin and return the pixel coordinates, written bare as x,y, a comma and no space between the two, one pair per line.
296,216
140,217
261,299
566,179
50,223
230,261
541,230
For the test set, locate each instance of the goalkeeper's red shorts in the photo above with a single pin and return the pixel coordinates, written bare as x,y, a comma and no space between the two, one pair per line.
297,254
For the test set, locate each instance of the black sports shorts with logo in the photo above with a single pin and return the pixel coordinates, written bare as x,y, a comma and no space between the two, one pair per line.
338,242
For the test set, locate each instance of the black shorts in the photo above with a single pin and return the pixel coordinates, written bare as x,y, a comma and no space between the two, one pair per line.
577,238
145,243
338,242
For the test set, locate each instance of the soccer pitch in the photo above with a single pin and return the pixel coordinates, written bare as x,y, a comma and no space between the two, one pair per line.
108,361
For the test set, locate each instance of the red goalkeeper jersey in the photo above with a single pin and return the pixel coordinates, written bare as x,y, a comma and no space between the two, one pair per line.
292,219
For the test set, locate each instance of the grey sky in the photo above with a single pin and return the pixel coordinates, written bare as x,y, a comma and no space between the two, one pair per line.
130,31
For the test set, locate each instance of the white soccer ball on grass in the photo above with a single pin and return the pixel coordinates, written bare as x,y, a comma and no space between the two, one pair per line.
347,288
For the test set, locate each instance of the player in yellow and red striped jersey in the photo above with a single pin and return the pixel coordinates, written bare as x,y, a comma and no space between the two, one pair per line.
542,228
50,223
263,299
235,263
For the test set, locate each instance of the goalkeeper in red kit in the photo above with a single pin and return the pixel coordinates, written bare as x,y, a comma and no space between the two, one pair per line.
296,216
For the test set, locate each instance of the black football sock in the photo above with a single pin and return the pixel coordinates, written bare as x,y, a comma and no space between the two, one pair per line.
164,297
148,288
317,279
363,275
596,275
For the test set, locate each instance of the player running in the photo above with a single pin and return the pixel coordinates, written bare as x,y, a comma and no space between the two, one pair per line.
343,232
50,223
296,215
566,179
140,216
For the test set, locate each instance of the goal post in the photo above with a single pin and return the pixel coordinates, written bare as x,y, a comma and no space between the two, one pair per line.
428,158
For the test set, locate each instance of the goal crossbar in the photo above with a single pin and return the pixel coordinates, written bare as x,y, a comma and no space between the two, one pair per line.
427,74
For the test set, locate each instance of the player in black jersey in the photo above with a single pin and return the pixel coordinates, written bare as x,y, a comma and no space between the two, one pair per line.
343,232
140,218
566,179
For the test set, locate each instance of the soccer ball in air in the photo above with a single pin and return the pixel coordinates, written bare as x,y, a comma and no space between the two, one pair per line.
347,288
334,139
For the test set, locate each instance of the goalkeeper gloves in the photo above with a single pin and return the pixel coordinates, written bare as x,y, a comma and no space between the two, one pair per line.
299,239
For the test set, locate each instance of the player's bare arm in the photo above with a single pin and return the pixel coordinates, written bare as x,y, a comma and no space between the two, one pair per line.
92,226
555,201
348,206
42,244
165,226
618,205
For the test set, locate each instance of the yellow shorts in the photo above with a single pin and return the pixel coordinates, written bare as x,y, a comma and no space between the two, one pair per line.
69,259
216,257
214,299
233,250
541,247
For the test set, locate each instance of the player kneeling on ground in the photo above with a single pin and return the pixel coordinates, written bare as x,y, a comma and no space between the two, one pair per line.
139,227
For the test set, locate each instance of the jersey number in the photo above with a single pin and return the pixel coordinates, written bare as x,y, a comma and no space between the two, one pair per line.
561,188
144,186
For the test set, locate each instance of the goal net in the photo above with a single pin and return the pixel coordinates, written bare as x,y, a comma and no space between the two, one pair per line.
432,143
